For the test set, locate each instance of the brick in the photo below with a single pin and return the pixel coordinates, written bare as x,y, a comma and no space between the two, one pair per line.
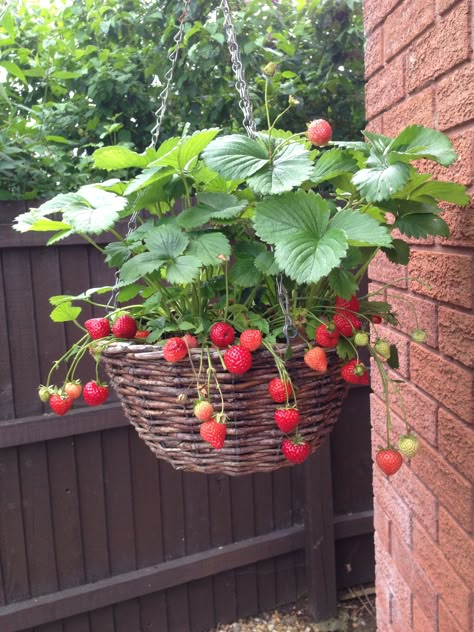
403,24
456,443
456,333
392,505
457,547
418,499
420,409
462,170
421,622
396,592
461,225
444,380
373,52
442,47
385,88
375,11
415,578
384,271
446,621
375,125
413,312
444,5
454,592
382,527
416,109
451,489
378,421
445,276
455,103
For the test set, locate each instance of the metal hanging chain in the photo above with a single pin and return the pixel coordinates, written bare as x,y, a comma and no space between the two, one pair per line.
289,329
173,58
241,85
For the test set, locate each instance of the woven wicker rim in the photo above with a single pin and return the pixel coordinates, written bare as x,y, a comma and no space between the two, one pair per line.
158,397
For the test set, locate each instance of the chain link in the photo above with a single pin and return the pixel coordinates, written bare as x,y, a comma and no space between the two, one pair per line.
112,302
241,85
289,329
173,58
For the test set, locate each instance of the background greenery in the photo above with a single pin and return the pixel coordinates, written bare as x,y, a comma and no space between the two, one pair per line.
83,74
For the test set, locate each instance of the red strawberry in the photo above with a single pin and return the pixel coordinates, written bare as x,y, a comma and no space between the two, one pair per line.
97,327
287,418
124,327
296,450
95,393
376,319
251,339
351,305
279,391
142,333
60,404
355,372
237,359
317,360
73,389
346,323
319,132
326,336
203,410
191,341
222,335
175,349
389,461
214,433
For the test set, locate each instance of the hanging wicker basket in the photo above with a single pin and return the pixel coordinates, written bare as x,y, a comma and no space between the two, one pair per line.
158,397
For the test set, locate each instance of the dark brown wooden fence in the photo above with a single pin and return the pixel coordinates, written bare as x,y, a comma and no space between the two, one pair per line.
96,535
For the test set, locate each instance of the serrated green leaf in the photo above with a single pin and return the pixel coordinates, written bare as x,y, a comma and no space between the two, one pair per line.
223,205
331,164
187,149
139,266
244,272
183,269
399,253
381,183
65,312
167,242
447,191
361,229
59,236
289,167
15,70
149,176
118,157
422,225
128,292
343,283
117,253
207,246
265,262
379,142
96,212
235,157
45,225
416,142
345,349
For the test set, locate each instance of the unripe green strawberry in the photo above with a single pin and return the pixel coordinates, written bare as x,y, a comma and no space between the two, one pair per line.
418,335
44,393
382,347
361,339
408,445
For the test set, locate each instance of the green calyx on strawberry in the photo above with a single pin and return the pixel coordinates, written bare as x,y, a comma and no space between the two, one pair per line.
355,372
361,339
279,390
251,339
222,335
382,348
214,432
73,389
95,393
60,403
326,335
317,360
418,335
203,410
45,392
124,327
319,132
296,450
237,359
408,445
175,349
97,327
389,460
287,419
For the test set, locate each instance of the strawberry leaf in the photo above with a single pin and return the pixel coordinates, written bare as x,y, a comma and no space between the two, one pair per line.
381,182
207,246
416,142
65,312
183,269
331,164
343,283
421,225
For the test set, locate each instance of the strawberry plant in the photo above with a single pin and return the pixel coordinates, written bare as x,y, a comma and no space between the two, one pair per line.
241,243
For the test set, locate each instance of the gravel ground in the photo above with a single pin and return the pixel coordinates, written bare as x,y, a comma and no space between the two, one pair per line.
357,613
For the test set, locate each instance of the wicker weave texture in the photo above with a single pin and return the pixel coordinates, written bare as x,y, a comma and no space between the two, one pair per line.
158,398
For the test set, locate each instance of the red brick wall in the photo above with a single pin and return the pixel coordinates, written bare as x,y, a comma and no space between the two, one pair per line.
420,69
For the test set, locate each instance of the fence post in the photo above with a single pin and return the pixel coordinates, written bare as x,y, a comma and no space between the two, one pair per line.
319,535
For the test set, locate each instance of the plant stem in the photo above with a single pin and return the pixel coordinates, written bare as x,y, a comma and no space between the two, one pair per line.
92,242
